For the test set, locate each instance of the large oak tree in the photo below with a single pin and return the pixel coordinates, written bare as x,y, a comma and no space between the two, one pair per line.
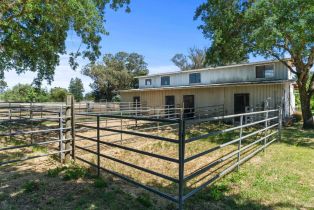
271,28
33,33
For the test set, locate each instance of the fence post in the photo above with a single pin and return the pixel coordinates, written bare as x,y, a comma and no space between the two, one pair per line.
121,124
240,141
181,161
10,118
279,122
68,131
73,127
98,146
31,119
61,134
266,125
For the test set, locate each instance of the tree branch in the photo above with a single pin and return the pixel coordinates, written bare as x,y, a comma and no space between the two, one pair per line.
310,60
283,61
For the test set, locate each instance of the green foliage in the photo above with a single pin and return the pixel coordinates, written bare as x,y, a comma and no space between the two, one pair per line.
145,200
56,171
267,27
31,186
73,173
25,93
76,88
33,33
100,183
117,72
58,94
89,96
194,60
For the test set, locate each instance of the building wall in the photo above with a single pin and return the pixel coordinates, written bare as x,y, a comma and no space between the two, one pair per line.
213,95
231,74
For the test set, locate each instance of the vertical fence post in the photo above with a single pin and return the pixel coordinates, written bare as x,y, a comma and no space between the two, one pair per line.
266,125
10,117
121,125
181,161
240,141
279,122
31,120
98,146
68,131
73,127
61,134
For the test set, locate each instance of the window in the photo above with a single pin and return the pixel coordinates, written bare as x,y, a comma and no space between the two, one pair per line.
165,80
148,81
195,78
265,71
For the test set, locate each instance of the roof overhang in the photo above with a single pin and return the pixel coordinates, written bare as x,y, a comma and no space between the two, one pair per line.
265,82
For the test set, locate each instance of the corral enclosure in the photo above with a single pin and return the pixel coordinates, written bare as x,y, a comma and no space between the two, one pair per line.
168,151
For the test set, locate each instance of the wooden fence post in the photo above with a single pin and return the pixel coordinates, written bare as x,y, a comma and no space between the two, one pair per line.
67,126
73,127
61,145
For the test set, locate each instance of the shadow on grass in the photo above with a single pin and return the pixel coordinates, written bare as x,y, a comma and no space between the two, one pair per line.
298,137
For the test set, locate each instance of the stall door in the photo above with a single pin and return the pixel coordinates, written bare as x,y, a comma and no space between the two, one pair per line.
189,106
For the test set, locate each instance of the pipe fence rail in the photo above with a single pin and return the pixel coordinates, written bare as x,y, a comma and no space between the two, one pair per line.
29,131
101,132
252,137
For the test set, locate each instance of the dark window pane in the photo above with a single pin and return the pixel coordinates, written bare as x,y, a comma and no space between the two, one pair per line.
165,80
195,78
148,81
260,71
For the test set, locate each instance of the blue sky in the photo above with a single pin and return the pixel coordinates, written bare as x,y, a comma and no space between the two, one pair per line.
155,29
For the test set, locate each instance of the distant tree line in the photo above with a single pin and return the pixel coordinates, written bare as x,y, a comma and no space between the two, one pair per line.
30,93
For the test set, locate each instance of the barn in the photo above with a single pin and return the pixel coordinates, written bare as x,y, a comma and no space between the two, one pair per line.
237,88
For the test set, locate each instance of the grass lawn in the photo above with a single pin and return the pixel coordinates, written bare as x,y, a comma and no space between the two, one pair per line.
282,178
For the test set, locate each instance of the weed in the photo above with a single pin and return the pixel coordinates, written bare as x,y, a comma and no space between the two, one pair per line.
145,200
74,173
31,186
55,172
100,183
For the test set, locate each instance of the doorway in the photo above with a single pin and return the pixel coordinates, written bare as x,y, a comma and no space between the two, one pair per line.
189,106
241,101
169,106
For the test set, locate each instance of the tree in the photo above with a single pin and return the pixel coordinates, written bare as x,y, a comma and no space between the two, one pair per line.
58,94
76,88
25,93
194,60
3,86
274,29
115,73
33,33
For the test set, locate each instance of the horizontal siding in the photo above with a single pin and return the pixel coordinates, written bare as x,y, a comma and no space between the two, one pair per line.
212,96
222,75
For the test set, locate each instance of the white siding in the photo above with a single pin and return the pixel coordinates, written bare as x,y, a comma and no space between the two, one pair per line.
245,73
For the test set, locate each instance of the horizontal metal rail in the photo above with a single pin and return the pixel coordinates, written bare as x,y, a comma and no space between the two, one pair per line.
162,194
131,165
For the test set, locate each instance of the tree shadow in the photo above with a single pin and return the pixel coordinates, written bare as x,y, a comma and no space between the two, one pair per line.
298,137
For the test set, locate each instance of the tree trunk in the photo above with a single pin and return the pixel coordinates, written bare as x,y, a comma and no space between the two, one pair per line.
308,121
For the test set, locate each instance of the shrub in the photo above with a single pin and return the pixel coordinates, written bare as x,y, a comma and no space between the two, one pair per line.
31,186
297,116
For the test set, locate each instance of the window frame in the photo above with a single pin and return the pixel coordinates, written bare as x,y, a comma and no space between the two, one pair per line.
161,80
148,79
264,71
196,81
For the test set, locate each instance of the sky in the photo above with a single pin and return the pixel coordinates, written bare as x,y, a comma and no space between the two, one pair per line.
156,29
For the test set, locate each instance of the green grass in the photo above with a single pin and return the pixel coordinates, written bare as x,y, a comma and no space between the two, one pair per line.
282,178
